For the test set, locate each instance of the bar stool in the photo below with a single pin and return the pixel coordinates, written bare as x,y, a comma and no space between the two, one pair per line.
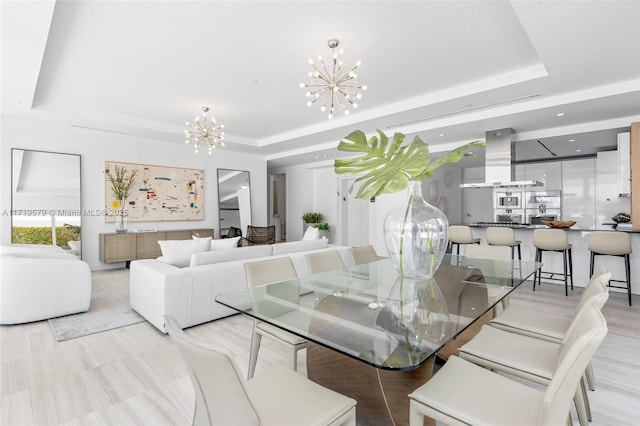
553,240
459,234
503,236
612,243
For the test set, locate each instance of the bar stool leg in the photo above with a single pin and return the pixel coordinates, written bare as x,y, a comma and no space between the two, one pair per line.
519,253
628,271
593,258
538,258
571,267
564,267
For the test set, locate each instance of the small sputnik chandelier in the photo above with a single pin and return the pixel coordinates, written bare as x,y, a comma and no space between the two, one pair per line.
333,83
204,132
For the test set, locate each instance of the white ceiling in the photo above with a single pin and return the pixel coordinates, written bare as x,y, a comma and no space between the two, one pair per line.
433,67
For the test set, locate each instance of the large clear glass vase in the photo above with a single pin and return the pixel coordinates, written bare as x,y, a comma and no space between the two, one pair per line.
415,313
416,235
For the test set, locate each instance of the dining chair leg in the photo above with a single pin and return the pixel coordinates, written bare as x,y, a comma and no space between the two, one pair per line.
253,355
294,359
591,381
587,404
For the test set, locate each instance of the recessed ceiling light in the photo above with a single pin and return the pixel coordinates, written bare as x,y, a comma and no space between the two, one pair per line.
441,134
572,140
578,150
560,114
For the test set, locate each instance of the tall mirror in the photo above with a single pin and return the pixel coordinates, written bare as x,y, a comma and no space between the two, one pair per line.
45,199
234,202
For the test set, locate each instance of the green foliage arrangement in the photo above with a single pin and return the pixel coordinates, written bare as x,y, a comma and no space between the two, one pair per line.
312,217
121,181
322,226
388,168
42,235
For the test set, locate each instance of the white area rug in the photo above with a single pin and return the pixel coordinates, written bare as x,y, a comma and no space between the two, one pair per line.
109,308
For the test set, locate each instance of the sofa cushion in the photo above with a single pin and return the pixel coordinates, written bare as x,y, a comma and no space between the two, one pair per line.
224,243
217,256
296,246
178,252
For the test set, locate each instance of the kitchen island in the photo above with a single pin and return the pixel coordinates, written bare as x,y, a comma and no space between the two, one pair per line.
579,240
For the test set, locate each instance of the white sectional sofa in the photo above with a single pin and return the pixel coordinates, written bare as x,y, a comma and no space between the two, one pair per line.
41,282
157,288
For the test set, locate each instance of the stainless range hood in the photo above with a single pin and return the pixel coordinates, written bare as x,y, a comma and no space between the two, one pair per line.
499,159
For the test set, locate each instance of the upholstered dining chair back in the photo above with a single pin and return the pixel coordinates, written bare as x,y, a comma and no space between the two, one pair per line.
221,396
596,292
261,234
269,271
364,254
324,261
585,335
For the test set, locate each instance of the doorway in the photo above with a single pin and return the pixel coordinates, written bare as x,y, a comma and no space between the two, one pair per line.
354,215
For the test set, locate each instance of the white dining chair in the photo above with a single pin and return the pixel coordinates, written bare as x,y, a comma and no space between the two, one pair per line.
364,254
553,327
277,396
498,269
324,261
267,272
489,398
526,357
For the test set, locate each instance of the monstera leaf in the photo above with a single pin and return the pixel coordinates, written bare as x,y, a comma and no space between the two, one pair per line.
388,167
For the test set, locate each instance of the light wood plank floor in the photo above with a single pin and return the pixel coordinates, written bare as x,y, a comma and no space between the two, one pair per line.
133,375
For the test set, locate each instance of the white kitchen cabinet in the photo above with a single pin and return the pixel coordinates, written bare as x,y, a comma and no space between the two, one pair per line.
548,172
624,164
608,203
579,192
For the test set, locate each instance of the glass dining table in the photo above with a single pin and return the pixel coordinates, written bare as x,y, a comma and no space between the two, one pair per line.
373,334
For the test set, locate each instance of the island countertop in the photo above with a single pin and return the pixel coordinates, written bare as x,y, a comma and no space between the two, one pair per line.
579,240
528,226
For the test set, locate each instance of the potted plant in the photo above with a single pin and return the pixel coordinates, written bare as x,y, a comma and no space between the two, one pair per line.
415,234
121,181
323,229
311,219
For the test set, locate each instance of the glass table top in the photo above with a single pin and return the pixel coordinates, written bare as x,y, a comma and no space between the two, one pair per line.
370,313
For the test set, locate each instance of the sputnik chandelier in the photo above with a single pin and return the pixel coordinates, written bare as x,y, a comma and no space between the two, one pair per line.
204,132
333,83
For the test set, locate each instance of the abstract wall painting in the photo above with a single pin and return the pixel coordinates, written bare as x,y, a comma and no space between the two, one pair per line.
160,193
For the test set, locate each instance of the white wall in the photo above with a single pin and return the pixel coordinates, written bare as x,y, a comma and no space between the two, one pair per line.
96,147
316,187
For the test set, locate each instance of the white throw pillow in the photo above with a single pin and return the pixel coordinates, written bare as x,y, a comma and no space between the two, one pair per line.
224,243
312,233
178,252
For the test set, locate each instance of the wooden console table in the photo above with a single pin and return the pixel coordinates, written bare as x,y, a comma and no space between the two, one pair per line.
128,246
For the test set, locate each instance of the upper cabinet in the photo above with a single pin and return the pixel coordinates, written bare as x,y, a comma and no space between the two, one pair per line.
624,164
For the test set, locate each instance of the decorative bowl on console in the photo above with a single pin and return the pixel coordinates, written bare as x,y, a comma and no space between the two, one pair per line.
559,223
